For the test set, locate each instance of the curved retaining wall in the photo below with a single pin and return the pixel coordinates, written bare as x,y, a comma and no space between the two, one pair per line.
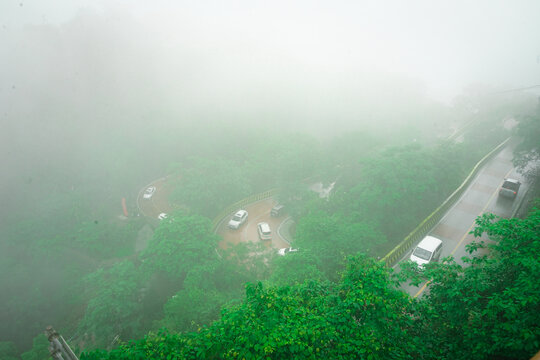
425,226
239,204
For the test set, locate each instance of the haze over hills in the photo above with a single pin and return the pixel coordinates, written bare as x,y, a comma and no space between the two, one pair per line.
99,98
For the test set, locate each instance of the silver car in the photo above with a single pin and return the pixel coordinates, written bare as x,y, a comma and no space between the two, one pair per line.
264,231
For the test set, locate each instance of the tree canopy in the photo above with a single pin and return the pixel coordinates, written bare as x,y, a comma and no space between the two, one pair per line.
487,308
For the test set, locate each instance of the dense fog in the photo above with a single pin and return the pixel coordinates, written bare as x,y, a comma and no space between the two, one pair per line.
97,98
79,74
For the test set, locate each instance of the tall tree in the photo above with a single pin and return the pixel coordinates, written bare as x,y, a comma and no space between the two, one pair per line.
362,316
180,243
488,308
114,308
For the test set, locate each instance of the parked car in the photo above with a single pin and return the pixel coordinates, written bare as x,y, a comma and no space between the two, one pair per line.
264,231
284,251
238,219
510,188
277,210
149,192
428,250
162,216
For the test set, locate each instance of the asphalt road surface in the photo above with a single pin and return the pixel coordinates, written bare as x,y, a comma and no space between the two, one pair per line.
481,197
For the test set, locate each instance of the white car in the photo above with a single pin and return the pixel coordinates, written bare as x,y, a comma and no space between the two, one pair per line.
284,251
162,216
149,192
238,219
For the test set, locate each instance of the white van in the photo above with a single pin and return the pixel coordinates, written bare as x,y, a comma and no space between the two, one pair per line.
429,249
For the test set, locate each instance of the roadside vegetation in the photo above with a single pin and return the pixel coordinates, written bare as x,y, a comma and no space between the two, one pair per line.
486,309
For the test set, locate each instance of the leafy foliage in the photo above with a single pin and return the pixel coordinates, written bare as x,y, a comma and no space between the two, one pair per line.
39,351
296,268
8,351
207,186
180,243
114,308
206,288
359,316
330,238
69,226
489,307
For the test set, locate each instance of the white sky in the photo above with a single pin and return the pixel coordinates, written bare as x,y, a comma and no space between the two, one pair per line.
445,44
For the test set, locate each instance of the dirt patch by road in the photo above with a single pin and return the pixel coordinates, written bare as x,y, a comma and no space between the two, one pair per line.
247,233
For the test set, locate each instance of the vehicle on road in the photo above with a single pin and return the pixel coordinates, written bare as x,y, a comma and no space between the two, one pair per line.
509,188
428,250
238,219
284,251
162,216
264,231
149,192
277,210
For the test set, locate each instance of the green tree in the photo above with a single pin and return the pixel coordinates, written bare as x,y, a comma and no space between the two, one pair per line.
362,316
295,268
207,186
206,288
180,243
114,306
8,351
488,308
399,187
39,351
329,238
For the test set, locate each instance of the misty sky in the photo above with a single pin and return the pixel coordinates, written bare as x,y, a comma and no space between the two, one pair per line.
445,45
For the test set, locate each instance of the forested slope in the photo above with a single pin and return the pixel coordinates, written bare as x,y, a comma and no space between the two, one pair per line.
86,280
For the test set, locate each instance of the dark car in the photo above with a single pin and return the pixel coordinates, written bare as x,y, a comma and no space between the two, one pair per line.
509,188
277,211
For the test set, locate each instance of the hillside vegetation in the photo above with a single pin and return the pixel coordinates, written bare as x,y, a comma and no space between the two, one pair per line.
72,262
487,309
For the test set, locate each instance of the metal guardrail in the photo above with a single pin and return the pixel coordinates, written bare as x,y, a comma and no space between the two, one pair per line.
239,204
425,226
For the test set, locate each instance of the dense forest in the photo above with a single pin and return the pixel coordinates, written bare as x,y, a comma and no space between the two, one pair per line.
71,259
487,309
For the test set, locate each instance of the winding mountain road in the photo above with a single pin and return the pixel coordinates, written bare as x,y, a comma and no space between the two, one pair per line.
481,197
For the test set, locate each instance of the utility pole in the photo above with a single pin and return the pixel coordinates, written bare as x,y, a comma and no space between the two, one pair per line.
58,347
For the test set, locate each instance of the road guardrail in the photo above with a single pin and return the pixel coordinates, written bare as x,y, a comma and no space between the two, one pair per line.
239,204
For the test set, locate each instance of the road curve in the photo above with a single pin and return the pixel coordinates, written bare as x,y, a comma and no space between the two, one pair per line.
158,203
258,212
